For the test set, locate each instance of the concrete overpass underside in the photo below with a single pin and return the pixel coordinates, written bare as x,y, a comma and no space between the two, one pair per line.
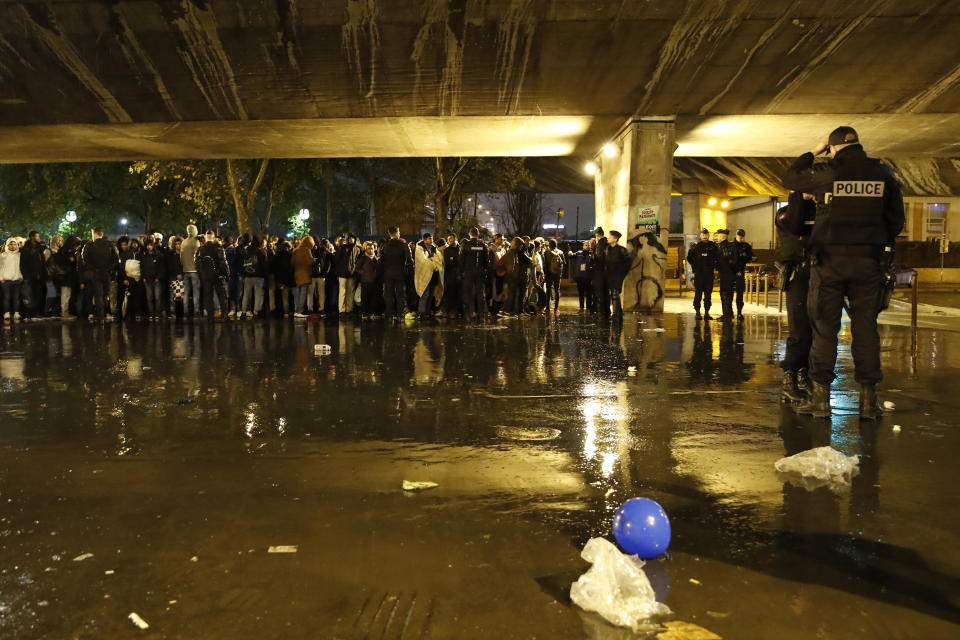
747,83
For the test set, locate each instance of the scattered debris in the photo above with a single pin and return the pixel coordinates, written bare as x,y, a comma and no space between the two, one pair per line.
524,433
718,614
896,428
608,493
410,485
677,630
109,572
694,581
616,587
172,602
194,559
820,467
82,557
322,349
283,548
657,330
137,620
889,406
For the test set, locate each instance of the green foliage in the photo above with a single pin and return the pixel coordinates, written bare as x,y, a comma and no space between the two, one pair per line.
299,227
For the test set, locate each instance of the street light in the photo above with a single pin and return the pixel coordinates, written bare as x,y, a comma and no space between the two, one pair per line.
610,150
724,204
71,216
712,202
123,222
304,214
590,168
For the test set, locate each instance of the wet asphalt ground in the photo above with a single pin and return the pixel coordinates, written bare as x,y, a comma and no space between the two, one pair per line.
177,454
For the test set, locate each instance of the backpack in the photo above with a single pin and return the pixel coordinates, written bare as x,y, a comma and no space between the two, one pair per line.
250,263
208,265
554,264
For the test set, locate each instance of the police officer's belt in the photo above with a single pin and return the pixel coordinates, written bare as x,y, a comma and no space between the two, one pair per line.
852,250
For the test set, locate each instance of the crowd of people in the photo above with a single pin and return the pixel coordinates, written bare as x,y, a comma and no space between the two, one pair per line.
730,260
155,277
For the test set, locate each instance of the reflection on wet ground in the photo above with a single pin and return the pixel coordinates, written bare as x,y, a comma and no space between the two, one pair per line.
177,454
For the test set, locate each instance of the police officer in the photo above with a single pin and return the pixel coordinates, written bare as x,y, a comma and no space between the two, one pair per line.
702,258
794,223
728,260
601,289
744,257
859,215
474,259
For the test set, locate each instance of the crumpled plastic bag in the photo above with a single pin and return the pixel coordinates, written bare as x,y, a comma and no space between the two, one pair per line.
820,467
616,587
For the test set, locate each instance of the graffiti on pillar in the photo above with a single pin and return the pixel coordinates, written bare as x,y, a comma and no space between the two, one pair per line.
649,271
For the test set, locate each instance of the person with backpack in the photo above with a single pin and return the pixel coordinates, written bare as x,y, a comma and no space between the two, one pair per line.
554,263
213,269
62,268
254,274
474,259
100,259
346,269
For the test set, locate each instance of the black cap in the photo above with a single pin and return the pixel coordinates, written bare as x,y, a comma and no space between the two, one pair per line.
616,234
741,232
724,231
843,135
704,230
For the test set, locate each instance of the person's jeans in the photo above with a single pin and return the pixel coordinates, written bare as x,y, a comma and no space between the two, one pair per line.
253,294
426,302
368,298
347,286
65,294
154,294
553,290
101,286
11,295
316,291
302,297
191,290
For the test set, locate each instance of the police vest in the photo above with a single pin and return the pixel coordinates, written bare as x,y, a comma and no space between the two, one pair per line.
474,256
854,206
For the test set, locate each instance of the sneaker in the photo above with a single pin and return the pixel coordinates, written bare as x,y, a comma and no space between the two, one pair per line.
299,315
232,314
16,316
108,319
6,317
217,314
90,318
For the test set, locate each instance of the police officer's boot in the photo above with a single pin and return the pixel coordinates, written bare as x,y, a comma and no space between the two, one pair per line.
788,389
804,385
818,404
869,405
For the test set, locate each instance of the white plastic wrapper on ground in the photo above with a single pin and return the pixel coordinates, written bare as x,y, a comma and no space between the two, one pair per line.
820,467
616,587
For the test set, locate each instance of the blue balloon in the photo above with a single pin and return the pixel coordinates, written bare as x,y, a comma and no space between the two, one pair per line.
641,527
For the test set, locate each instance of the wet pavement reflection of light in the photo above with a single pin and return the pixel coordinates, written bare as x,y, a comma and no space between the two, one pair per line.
149,445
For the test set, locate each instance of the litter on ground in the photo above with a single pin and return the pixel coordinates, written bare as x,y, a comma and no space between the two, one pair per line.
283,548
616,587
82,557
410,485
137,620
820,467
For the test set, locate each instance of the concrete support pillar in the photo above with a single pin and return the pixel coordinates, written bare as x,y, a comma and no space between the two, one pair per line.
690,188
632,190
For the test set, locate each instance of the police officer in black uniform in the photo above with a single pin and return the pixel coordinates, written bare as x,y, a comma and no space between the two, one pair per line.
794,223
728,260
744,257
859,215
474,259
702,258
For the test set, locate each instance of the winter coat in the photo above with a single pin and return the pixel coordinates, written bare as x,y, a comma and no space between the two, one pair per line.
211,261
101,258
346,260
618,262
173,266
282,268
10,265
368,268
553,262
254,263
451,260
303,264
31,261
395,261
427,261
152,266
188,250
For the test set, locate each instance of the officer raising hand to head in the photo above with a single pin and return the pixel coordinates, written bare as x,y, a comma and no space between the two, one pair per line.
859,215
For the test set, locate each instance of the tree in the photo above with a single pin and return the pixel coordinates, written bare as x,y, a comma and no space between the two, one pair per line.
524,212
244,185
